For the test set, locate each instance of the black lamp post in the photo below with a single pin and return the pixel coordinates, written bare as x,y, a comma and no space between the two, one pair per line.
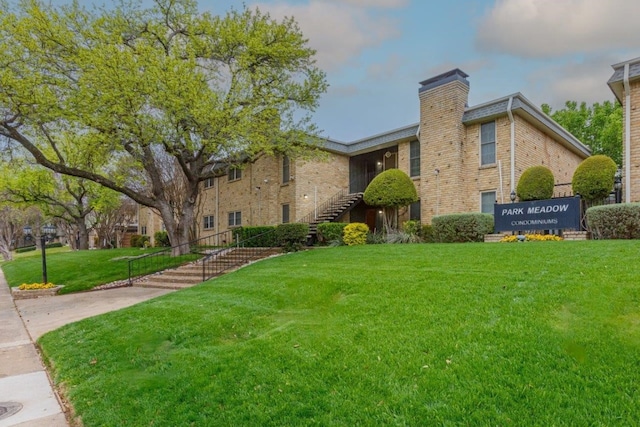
617,186
46,231
512,196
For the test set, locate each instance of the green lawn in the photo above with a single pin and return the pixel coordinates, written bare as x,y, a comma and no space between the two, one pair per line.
537,333
77,270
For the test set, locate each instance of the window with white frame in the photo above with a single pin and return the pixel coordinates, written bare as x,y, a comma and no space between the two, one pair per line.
208,183
414,158
488,143
286,169
208,222
487,200
143,230
285,214
235,219
235,174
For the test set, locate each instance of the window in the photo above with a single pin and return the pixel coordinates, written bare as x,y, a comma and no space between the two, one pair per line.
286,169
143,230
208,183
487,200
208,222
235,174
488,143
235,219
414,211
285,214
414,158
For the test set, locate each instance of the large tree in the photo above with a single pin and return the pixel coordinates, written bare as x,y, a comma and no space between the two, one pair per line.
598,126
114,96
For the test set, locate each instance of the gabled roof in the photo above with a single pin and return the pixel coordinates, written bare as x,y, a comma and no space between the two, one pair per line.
616,82
521,105
478,113
375,142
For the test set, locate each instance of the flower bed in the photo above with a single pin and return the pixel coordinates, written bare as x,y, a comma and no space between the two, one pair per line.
532,238
35,290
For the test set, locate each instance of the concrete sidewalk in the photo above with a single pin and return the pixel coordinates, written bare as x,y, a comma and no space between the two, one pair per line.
26,395
27,398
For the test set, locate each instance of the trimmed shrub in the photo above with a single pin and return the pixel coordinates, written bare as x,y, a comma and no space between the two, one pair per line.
536,183
293,236
355,234
594,177
329,232
161,239
256,237
25,249
139,241
619,221
465,227
53,245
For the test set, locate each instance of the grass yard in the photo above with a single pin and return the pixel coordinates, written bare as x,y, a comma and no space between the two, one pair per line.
76,270
536,333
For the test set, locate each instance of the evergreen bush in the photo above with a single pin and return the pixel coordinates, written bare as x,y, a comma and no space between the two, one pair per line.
256,237
536,183
594,177
330,232
292,236
161,239
465,227
619,221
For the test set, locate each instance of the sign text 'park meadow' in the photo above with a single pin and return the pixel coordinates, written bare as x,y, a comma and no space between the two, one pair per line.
551,214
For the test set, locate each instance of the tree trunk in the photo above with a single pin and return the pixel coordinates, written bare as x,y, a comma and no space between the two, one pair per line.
178,229
83,235
5,251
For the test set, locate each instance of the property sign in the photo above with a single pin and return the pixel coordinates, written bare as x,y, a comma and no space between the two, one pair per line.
551,214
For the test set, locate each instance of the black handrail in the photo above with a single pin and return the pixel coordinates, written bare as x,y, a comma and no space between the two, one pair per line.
163,258
242,252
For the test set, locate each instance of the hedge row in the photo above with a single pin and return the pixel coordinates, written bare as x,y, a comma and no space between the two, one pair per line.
619,221
290,236
256,237
458,228
33,248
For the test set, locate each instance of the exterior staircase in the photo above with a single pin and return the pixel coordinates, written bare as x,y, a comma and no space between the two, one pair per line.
216,264
331,210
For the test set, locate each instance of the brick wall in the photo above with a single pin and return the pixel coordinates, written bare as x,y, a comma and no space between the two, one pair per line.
635,141
442,137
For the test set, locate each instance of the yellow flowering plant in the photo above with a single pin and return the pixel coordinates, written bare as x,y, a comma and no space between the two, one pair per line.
35,286
533,238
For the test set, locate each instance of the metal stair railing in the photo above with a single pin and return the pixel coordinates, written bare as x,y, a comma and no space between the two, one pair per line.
239,253
162,259
335,201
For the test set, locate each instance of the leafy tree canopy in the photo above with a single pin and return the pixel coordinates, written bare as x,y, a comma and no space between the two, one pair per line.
141,99
598,126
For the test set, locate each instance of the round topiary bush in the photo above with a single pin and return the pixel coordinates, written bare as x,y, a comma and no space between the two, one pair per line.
536,183
594,177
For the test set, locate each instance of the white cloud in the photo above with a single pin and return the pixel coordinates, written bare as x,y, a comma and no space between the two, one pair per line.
551,28
390,4
339,32
572,81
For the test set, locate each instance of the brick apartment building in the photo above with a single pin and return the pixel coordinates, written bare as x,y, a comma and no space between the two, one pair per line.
460,158
625,84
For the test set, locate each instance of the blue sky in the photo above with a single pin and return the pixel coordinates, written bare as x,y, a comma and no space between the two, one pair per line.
376,51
